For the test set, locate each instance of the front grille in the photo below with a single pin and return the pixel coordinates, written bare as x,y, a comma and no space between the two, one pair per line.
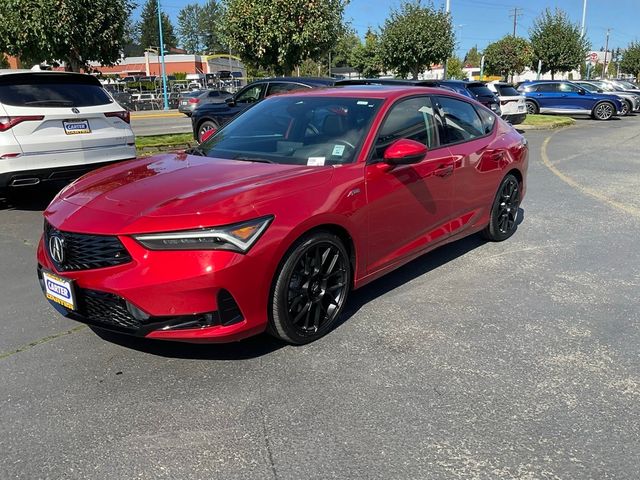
106,309
84,252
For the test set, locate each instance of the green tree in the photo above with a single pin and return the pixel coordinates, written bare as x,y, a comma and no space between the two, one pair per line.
557,42
454,69
508,56
281,34
148,27
365,57
414,37
473,57
210,27
342,52
74,31
630,62
189,28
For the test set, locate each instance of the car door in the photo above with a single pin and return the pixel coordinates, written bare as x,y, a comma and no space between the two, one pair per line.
409,206
572,99
469,134
547,96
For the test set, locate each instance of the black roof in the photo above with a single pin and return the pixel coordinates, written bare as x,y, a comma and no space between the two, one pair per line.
402,81
311,81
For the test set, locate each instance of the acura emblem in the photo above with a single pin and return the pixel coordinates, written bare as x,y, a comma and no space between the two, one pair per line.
56,249
75,110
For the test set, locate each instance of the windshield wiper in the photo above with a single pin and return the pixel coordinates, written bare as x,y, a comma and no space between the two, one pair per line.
252,159
195,151
61,103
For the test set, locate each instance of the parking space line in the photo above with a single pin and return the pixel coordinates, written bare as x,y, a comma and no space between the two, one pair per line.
35,343
631,210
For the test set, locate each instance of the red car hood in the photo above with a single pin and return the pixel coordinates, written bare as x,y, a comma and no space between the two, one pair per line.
173,192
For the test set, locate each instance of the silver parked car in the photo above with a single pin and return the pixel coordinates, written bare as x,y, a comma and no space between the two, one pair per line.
190,101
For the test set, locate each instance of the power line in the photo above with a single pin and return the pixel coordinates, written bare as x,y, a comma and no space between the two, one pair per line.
515,16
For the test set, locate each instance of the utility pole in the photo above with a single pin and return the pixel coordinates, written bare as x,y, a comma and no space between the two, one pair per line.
515,16
444,73
606,47
584,16
164,72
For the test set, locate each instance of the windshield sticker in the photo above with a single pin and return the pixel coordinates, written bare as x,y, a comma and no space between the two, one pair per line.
338,150
315,161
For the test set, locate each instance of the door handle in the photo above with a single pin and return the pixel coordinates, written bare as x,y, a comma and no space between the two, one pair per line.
443,171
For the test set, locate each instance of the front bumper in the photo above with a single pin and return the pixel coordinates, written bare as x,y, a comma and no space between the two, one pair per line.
191,296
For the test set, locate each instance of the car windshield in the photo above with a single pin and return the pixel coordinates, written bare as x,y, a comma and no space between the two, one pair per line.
296,130
591,87
507,91
481,90
52,90
627,85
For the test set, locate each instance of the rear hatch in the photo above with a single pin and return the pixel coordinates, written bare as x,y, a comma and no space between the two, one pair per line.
484,95
62,112
511,102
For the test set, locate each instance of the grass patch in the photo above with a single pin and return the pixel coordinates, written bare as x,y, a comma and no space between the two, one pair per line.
170,140
550,121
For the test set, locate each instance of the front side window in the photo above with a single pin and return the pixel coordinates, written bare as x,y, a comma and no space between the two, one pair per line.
296,130
251,94
414,119
461,121
567,87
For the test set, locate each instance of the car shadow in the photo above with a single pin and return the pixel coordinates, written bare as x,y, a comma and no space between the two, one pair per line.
34,199
264,343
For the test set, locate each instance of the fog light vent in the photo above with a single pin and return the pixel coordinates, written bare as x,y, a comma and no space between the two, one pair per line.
228,309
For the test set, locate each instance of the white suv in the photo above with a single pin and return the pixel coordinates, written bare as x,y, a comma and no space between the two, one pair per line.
512,104
58,126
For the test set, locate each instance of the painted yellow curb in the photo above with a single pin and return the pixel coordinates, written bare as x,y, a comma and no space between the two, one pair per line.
629,209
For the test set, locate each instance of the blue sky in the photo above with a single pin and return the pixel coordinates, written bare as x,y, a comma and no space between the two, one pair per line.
479,22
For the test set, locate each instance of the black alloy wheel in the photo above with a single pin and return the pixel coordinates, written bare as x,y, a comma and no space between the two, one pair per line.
603,111
311,289
204,127
532,108
504,212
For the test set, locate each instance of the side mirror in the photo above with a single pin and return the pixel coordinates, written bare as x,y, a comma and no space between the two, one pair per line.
600,90
231,102
404,152
582,91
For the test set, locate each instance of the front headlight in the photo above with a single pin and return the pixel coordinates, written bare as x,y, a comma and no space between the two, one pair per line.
238,237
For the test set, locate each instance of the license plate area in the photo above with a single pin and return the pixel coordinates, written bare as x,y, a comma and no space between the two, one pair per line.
59,290
76,127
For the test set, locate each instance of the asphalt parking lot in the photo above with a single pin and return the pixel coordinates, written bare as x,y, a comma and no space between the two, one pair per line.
477,361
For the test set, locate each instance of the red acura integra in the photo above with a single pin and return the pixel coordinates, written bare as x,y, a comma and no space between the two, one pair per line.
272,221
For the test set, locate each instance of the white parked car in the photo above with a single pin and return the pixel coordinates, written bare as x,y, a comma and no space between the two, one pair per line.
57,126
512,104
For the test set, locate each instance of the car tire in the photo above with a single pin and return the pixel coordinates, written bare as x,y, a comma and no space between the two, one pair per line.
603,111
626,108
504,211
310,289
532,107
205,127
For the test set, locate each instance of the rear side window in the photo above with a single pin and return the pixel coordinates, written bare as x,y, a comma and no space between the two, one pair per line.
546,87
488,119
52,90
507,91
282,87
461,121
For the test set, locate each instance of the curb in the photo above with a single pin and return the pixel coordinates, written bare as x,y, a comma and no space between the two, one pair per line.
135,115
551,126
